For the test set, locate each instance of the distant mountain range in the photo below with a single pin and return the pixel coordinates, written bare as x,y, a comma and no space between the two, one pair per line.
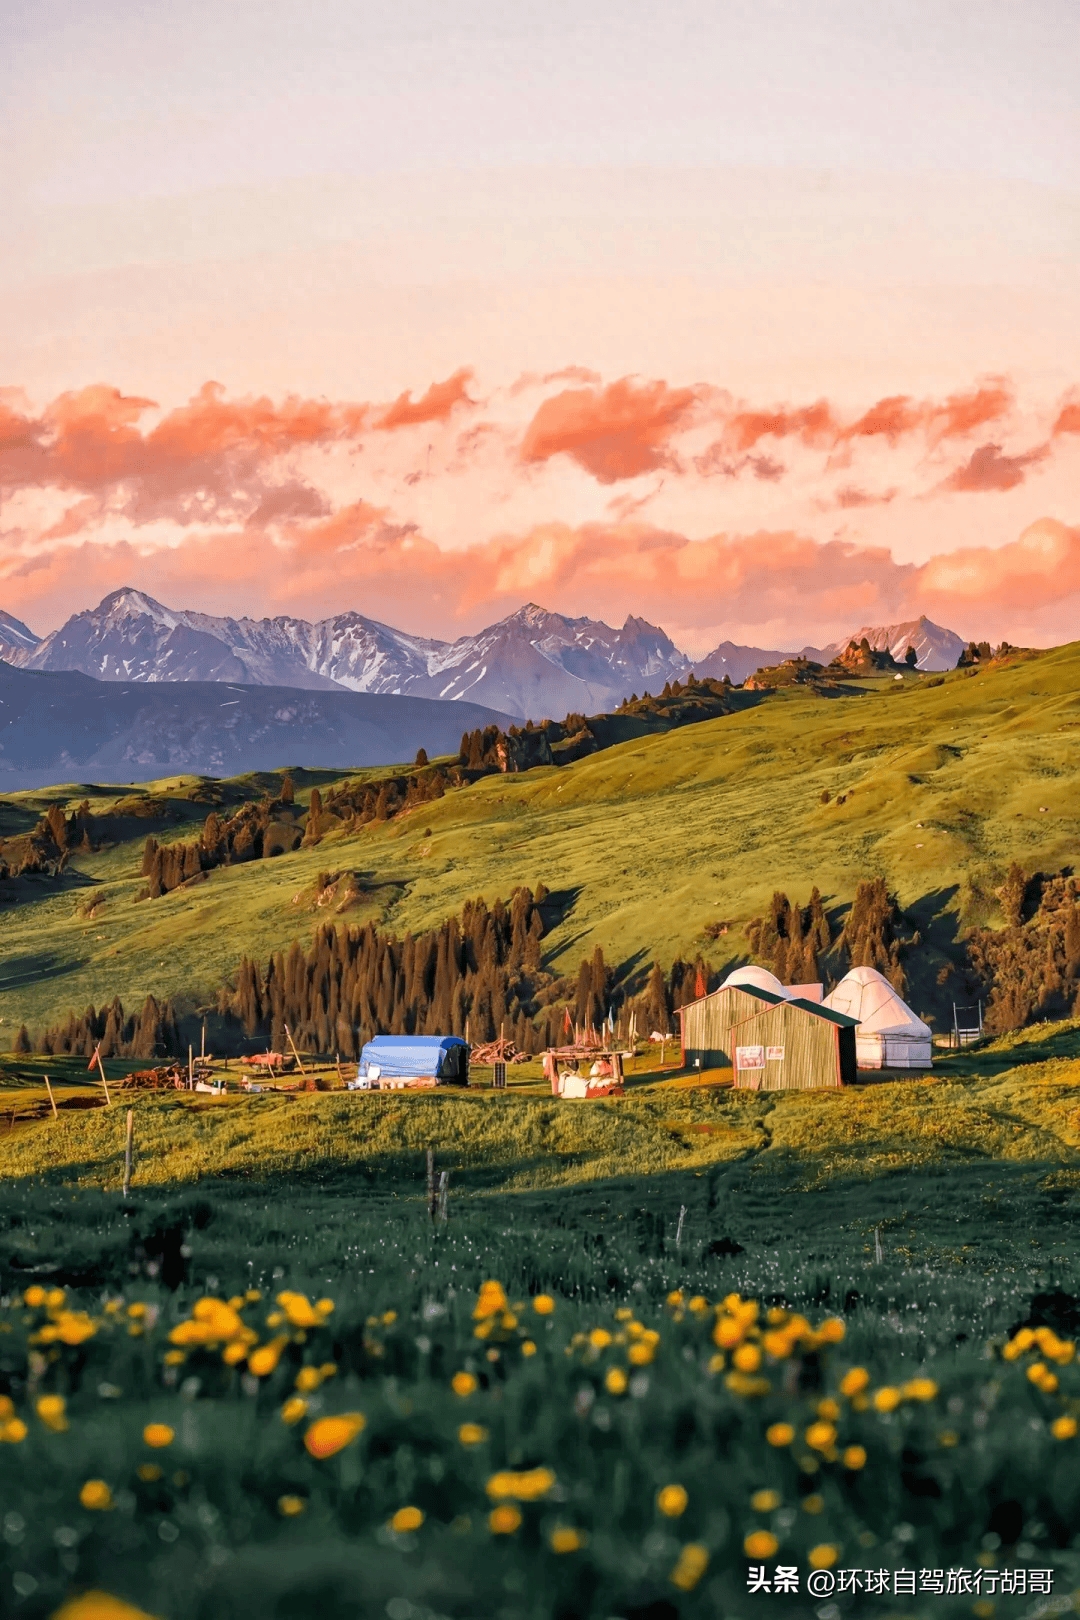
531,665
67,727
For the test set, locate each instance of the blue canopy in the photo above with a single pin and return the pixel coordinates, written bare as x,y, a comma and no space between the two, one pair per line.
409,1056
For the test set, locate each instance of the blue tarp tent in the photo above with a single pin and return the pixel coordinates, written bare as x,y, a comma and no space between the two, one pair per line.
446,1057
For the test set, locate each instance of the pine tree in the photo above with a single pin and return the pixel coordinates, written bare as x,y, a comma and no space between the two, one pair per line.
288,789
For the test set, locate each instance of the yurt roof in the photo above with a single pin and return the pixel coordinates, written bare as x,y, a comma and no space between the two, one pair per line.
867,995
756,978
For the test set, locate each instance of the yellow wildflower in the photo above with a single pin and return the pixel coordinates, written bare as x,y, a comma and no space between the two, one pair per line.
332,1434
525,1486
564,1539
98,1606
919,1389
504,1520
293,1410
253,1295
691,1565
854,1381
615,1381
463,1383
232,1355
820,1436
823,1556
508,1322
7,1408
50,1409
174,1358
406,1519
528,1348
747,1358
675,1297
780,1434
599,1338
298,1310
327,1370
326,1306
716,1362
149,1472
34,1296
672,1500
699,1304
54,1299
760,1544
854,1457
136,1310
765,1501
832,1330
96,1495
491,1301
263,1361
727,1333
813,1503
948,1437
13,1431
543,1305
158,1435
777,1344
308,1379
472,1434
640,1353
829,1410
1063,1428
886,1399
290,1506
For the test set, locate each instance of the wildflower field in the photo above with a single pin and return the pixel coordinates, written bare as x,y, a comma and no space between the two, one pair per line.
635,1396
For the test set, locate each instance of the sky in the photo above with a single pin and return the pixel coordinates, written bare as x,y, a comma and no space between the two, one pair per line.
756,320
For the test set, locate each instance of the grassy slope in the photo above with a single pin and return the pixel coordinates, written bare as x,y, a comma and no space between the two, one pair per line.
1017,1100
648,841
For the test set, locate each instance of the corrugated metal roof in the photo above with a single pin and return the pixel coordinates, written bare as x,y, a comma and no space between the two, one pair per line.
764,996
819,1011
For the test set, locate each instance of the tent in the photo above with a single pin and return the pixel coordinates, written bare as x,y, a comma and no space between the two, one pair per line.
757,978
890,1035
392,1061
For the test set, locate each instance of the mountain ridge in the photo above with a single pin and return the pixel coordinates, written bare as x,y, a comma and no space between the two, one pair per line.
531,664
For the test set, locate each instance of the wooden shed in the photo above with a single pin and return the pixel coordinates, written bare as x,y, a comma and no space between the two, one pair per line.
794,1045
706,1025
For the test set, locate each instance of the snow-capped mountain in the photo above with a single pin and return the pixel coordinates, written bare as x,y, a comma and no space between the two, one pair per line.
532,664
17,640
937,648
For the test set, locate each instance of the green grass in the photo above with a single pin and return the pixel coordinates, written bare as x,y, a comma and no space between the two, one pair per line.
646,842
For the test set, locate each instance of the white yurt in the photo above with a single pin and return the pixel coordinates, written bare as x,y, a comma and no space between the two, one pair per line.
757,978
890,1035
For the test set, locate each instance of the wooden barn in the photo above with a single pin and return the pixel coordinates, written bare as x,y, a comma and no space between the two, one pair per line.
794,1045
706,1025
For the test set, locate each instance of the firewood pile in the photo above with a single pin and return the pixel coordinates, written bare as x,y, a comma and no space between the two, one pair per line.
273,1062
500,1051
167,1077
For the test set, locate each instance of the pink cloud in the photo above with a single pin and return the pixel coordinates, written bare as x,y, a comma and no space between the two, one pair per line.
987,469
616,432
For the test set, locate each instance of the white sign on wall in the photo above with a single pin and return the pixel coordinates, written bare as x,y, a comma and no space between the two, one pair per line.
774,1054
749,1057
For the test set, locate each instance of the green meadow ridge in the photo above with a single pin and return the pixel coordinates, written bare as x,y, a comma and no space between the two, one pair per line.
661,847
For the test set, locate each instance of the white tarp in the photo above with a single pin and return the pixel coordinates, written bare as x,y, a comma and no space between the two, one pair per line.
890,1035
758,978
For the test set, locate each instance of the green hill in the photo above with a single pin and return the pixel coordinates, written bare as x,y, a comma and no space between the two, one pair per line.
937,784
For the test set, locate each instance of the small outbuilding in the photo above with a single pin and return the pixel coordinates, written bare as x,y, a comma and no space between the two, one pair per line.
794,1045
394,1062
705,1025
890,1035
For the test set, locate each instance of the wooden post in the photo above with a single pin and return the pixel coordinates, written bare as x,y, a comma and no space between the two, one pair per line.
431,1193
52,1099
337,1066
444,1196
678,1229
104,1082
190,1069
202,1051
295,1053
128,1148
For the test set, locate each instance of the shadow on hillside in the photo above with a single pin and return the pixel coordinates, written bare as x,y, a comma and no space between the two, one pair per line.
19,971
974,1063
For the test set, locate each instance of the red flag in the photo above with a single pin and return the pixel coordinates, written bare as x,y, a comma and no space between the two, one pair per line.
700,987
567,1025
93,1060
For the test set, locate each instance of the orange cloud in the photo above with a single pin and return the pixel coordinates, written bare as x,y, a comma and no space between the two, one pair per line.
963,413
988,469
1068,419
616,432
434,406
850,496
814,424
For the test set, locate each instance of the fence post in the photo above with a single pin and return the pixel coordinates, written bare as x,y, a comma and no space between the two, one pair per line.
878,1252
444,1196
431,1193
678,1229
52,1099
128,1148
